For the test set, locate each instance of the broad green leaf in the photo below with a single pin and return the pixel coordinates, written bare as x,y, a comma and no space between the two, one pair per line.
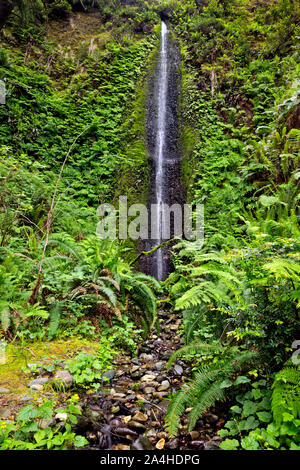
229,444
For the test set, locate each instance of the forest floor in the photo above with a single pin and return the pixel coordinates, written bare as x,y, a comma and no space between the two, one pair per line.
128,412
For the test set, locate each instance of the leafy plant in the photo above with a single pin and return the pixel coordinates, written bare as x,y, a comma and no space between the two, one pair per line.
29,433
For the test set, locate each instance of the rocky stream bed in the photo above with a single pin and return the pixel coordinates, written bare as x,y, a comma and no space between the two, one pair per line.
128,411
131,413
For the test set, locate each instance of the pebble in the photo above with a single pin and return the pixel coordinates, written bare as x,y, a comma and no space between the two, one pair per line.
109,374
136,424
165,385
148,378
64,378
39,381
25,399
178,369
149,390
140,417
61,416
150,433
45,423
5,413
211,445
37,387
146,357
211,418
173,444
121,447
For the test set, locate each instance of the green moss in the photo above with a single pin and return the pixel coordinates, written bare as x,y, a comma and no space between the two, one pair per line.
135,176
12,375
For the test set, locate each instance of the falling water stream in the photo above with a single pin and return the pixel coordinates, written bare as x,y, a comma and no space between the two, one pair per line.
162,144
159,155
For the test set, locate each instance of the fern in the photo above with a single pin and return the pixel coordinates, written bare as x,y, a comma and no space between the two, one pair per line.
286,393
203,391
192,318
54,320
215,281
283,268
143,296
5,316
193,348
204,292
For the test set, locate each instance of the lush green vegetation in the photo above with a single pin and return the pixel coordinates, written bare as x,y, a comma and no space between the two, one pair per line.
72,136
240,135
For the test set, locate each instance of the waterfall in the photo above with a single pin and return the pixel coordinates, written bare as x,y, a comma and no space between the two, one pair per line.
164,86
159,155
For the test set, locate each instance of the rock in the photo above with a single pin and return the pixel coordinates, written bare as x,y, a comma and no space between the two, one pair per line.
115,409
211,418
164,405
136,375
25,399
217,439
118,395
162,435
165,385
140,417
198,444
37,387
135,361
159,365
194,435
109,374
45,423
150,433
61,416
136,425
149,390
146,357
39,381
130,397
211,445
5,413
178,369
173,444
142,443
4,390
149,384
63,378
121,447
148,378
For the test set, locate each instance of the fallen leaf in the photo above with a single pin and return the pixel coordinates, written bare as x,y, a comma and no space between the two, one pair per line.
161,444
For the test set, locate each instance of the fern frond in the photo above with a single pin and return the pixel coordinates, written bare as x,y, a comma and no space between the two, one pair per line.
193,348
55,314
286,393
203,390
213,393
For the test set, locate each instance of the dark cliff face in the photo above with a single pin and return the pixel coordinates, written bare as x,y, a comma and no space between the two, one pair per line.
5,10
172,160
